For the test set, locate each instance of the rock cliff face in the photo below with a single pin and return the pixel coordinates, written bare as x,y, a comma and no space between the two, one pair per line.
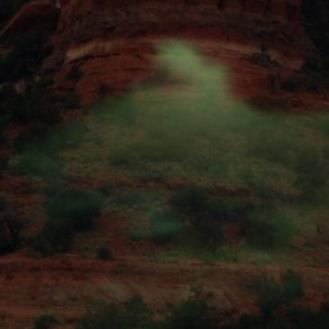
112,42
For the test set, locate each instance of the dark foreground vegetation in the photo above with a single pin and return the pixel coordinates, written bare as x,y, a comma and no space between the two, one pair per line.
277,302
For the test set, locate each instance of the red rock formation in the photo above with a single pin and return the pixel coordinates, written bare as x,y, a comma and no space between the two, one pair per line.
113,41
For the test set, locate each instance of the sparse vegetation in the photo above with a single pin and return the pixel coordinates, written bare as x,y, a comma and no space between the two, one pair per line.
191,314
196,313
133,314
261,225
269,229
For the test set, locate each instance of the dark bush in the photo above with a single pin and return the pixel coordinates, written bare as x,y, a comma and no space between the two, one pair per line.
78,208
164,226
55,237
274,294
69,212
191,314
104,253
127,198
190,200
10,229
45,321
293,318
208,213
269,228
39,164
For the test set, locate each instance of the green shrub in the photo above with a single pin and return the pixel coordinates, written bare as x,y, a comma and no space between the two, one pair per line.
127,199
273,294
55,237
191,314
293,318
69,212
269,228
39,164
199,200
147,150
78,208
208,213
45,321
292,285
164,226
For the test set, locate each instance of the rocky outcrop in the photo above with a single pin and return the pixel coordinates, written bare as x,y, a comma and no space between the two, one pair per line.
112,42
